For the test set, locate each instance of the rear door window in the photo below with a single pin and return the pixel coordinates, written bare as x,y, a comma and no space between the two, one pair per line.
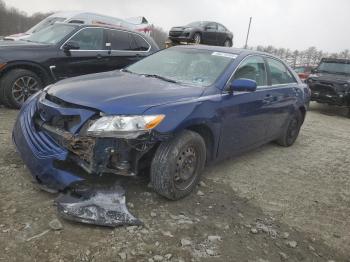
119,40
139,44
279,73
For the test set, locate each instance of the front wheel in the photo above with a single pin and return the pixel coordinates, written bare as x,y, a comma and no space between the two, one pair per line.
17,85
291,132
177,165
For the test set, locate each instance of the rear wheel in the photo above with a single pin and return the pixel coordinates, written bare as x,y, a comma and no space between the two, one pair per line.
17,85
197,38
177,165
228,43
291,132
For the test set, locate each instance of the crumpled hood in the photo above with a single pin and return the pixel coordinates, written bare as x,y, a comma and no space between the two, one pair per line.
117,92
331,77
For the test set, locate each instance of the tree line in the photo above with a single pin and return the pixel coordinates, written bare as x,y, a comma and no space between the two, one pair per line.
308,57
14,21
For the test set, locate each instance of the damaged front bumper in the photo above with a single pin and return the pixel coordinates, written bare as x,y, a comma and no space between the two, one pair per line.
51,141
330,93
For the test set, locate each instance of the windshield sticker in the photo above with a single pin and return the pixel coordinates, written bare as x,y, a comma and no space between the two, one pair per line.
233,56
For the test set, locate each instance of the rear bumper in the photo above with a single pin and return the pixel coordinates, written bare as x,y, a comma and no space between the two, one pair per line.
39,151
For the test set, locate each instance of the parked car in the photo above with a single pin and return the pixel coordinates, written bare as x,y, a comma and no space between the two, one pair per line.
202,32
65,50
303,71
330,82
170,113
83,17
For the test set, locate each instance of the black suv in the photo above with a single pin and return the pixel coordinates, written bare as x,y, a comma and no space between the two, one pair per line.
65,50
203,32
330,82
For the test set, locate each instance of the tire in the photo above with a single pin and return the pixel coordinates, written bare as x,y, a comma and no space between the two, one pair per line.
291,132
228,43
177,165
17,85
197,38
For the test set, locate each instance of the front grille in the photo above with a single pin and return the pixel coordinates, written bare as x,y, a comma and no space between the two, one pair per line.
175,33
43,146
323,89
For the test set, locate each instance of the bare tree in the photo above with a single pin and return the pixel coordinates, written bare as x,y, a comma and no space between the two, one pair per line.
14,21
308,57
159,36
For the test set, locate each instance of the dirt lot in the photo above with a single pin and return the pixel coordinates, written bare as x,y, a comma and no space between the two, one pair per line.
272,204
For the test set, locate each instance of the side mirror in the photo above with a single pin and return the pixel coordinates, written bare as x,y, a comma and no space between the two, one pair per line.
314,71
243,85
71,46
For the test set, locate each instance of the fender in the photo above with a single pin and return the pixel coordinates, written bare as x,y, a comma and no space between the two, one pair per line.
195,113
45,75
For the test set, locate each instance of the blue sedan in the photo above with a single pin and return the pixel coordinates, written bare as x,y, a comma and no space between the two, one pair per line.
169,114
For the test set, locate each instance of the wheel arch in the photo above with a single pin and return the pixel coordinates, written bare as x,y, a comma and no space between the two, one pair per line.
208,136
302,110
36,68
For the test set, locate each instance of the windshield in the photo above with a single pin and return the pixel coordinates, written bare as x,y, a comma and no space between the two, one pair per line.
45,23
199,23
187,66
52,34
334,67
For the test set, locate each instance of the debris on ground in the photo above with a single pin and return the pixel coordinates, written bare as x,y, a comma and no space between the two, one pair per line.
104,206
55,224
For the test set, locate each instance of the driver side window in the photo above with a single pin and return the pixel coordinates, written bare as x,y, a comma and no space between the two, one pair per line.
252,68
89,39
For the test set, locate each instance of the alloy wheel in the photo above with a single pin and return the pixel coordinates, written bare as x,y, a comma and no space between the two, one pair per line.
23,88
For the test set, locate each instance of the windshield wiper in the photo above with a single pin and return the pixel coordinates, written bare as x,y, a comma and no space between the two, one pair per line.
160,77
126,71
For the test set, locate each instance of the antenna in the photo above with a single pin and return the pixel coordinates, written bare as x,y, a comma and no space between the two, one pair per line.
246,40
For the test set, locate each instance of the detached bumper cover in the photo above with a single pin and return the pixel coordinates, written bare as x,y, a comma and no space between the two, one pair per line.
98,206
39,151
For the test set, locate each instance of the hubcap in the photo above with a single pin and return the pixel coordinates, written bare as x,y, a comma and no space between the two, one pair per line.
227,43
23,88
186,165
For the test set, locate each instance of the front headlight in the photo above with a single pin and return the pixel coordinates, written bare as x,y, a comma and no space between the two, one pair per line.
124,126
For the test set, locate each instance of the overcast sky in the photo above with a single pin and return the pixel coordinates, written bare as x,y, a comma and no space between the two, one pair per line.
294,24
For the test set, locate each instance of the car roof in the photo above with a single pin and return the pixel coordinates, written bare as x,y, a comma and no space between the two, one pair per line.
78,25
237,51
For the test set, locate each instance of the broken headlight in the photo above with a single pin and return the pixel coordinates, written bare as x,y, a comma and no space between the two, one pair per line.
124,126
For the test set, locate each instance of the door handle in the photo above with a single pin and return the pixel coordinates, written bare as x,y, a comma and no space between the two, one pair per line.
268,99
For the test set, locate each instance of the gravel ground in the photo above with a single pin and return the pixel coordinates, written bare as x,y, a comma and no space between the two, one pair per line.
271,204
